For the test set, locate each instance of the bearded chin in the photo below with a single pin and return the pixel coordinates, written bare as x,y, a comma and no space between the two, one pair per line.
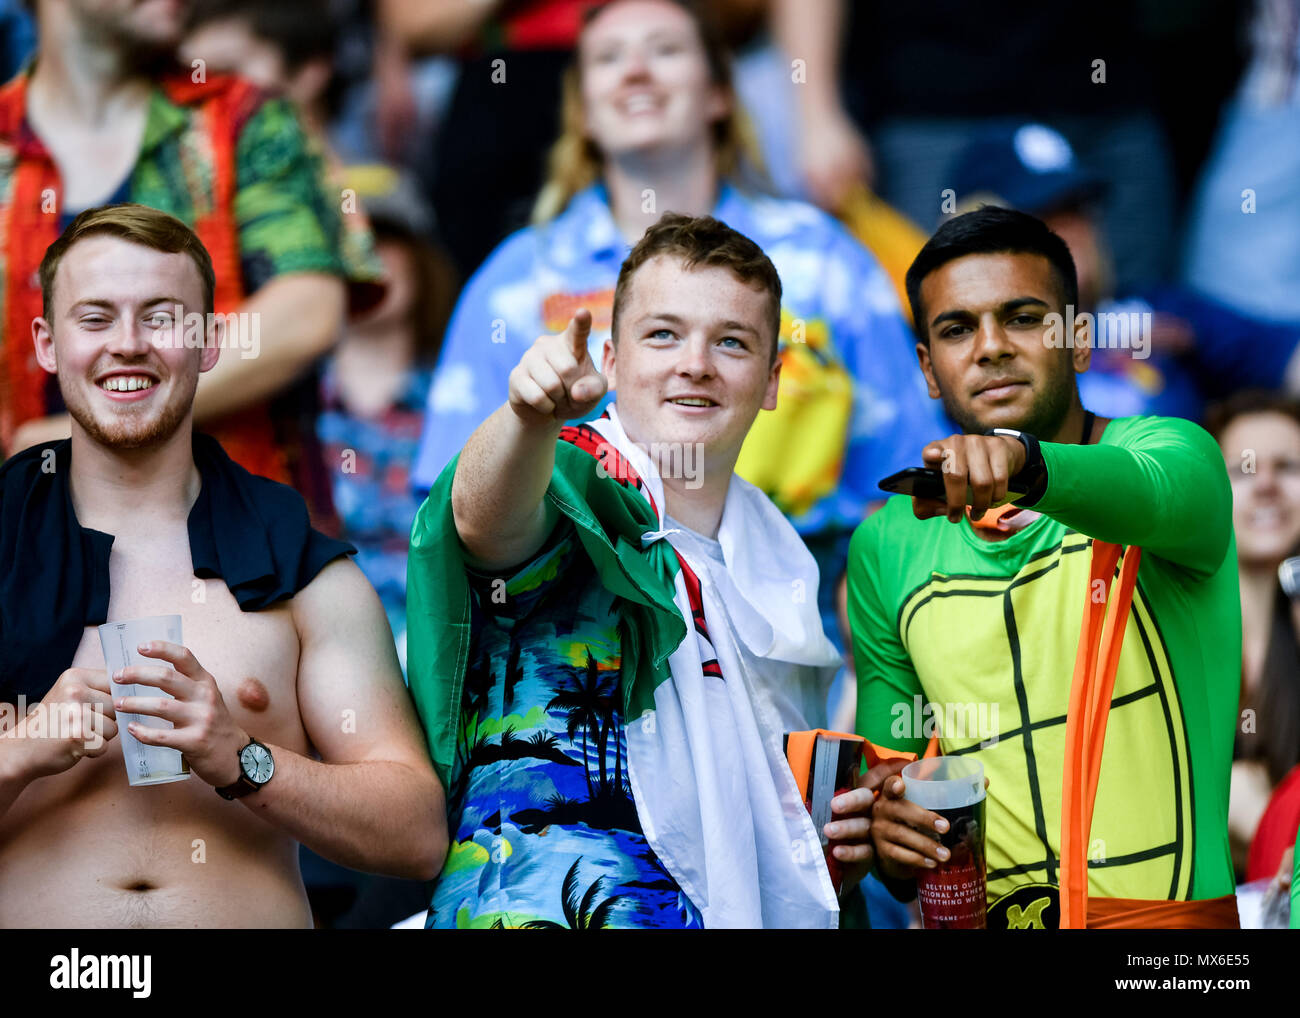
126,431
143,53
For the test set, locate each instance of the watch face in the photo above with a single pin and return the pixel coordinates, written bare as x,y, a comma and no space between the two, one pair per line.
257,763
1289,575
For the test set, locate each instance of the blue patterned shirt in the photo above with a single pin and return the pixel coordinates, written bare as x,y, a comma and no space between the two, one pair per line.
544,828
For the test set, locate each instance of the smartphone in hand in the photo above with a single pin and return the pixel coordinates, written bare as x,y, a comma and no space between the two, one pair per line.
926,482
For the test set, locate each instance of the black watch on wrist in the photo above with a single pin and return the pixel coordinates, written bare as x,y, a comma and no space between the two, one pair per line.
256,767
1031,480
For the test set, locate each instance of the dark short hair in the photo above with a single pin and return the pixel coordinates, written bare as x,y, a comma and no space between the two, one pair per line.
301,30
989,230
1246,403
703,240
138,224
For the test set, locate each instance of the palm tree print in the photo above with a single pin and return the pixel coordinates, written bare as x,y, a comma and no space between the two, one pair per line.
579,914
586,708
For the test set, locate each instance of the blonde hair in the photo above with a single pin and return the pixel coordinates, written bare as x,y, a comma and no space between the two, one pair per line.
138,224
575,161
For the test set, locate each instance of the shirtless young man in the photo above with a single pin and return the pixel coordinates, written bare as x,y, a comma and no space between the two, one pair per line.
313,676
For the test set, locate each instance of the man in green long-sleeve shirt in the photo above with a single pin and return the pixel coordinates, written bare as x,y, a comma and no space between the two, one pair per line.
966,611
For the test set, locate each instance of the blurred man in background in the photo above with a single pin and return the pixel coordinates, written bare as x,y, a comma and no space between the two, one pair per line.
105,115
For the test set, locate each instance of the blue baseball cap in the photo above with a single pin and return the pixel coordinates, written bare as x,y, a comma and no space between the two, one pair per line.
1030,167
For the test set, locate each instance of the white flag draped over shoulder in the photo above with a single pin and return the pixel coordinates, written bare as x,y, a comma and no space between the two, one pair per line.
713,790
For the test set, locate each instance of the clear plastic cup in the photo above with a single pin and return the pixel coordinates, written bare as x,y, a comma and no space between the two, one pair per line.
952,895
145,765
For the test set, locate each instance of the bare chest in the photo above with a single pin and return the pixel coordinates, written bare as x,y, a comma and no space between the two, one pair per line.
253,656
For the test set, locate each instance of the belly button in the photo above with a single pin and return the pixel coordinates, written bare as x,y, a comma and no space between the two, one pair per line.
252,695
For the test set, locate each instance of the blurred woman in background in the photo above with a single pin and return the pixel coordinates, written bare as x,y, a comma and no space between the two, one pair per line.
1259,433
375,384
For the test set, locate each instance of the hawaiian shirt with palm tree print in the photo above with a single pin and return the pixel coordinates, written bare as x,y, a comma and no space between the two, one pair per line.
545,830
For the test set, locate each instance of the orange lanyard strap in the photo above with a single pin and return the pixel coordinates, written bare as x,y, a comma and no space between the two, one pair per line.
1140,914
1100,640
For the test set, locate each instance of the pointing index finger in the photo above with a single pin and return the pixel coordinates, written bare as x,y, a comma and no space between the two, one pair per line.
579,330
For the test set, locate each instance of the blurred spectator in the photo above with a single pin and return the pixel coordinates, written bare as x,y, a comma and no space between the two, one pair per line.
1260,437
502,113
312,52
376,384
286,49
1243,242
107,115
17,37
804,156
387,105
924,79
1276,834
372,389
1185,349
650,126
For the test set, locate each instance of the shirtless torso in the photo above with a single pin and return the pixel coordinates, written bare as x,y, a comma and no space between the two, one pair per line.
315,678
83,848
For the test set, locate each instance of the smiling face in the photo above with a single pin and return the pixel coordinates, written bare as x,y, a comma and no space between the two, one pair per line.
988,356
693,362
1262,454
116,343
645,80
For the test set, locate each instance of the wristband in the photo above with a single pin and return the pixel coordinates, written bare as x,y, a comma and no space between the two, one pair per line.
1032,477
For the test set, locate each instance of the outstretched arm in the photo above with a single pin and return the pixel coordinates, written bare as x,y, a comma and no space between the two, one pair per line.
1166,491
498,495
